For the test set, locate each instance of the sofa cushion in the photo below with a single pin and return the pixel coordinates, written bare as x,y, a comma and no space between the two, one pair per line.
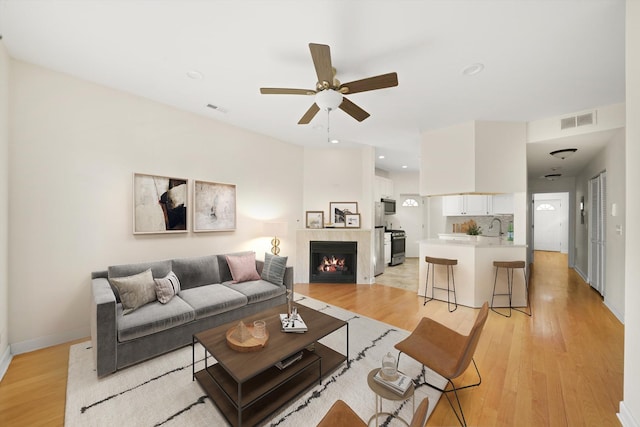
209,300
196,271
135,291
167,287
223,267
152,318
257,290
158,269
274,268
243,267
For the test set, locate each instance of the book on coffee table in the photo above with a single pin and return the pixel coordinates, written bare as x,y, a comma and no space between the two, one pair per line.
293,323
400,385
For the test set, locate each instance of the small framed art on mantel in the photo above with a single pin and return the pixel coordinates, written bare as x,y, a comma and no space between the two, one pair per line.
338,210
315,219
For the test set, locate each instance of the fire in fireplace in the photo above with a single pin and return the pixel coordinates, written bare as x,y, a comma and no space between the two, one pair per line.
332,262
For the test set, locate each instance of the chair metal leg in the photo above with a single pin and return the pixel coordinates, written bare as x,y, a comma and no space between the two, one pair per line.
459,413
451,282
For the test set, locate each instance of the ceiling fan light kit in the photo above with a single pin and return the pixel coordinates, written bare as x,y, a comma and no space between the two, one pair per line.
329,92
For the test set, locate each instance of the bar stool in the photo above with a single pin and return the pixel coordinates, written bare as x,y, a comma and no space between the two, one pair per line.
451,283
510,266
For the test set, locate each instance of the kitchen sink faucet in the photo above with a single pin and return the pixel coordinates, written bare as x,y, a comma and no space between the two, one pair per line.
499,222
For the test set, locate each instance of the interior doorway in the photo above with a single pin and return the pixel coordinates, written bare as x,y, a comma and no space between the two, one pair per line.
597,228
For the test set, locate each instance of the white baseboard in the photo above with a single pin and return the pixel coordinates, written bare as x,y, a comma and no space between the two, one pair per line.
5,360
48,341
625,417
581,274
615,312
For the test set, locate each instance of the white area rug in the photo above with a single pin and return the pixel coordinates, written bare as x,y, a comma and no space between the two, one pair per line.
160,392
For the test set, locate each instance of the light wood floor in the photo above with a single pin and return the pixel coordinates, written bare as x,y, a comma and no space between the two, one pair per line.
562,367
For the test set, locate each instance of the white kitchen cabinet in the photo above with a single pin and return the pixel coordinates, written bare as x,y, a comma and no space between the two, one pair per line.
465,205
502,204
383,188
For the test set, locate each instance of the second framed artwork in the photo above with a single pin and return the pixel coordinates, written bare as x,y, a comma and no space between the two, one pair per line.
339,210
352,220
214,206
315,219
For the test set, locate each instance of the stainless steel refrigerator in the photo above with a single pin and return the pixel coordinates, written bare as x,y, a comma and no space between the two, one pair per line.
378,241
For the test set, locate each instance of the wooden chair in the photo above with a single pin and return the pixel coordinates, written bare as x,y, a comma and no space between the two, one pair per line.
446,352
341,415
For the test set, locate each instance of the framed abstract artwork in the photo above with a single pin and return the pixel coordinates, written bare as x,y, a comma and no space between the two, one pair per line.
214,206
352,220
159,204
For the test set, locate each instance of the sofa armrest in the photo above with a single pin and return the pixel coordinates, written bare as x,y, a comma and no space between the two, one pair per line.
103,326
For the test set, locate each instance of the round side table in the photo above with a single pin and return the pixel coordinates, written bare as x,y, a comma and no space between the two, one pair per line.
382,392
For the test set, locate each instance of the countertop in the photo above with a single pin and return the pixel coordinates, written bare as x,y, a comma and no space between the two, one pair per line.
481,242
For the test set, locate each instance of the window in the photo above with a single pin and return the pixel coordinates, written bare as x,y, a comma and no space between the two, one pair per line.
545,207
410,202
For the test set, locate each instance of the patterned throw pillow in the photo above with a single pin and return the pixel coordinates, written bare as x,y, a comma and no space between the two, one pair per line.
167,287
274,268
243,267
135,291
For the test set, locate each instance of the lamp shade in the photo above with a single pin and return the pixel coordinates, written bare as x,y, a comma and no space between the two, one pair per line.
273,229
564,153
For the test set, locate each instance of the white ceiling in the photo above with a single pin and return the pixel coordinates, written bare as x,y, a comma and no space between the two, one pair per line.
542,58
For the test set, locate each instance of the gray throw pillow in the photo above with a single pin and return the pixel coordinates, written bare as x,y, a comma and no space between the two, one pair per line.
167,287
274,268
135,291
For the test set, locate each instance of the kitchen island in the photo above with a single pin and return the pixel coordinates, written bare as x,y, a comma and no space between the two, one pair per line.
474,274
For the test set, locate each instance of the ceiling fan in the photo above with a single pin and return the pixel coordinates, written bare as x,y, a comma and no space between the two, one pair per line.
329,92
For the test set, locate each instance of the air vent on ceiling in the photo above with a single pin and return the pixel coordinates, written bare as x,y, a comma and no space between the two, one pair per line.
577,121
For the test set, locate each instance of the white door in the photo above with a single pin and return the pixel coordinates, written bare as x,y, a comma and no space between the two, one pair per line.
547,230
597,236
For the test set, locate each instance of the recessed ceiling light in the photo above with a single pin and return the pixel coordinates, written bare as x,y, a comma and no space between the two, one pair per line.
334,141
194,74
473,69
404,166
381,157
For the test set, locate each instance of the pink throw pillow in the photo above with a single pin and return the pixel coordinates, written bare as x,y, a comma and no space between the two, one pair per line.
243,267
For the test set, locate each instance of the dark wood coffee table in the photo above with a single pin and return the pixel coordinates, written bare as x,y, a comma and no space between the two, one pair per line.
248,387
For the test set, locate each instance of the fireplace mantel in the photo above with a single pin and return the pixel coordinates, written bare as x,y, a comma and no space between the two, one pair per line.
363,236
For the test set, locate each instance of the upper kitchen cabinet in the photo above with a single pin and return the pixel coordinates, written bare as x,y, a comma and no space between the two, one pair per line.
474,157
383,188
502,204
465,205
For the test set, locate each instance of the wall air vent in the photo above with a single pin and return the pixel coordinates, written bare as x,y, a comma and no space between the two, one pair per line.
585,119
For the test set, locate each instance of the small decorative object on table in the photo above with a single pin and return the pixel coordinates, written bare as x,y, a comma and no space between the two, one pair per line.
389,371
400,385
293,322
243,338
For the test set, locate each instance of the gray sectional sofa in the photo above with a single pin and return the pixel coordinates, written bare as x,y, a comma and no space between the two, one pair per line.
207,298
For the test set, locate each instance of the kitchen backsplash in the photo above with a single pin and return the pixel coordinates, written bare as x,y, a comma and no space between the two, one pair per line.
484,222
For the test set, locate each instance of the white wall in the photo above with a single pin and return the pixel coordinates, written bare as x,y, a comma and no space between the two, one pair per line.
4,202
73,151
338,175
630,407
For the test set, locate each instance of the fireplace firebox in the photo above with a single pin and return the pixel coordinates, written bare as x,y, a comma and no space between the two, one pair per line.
333,262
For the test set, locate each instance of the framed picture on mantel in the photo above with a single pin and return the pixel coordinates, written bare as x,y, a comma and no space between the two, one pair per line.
315,219
352,220
339,210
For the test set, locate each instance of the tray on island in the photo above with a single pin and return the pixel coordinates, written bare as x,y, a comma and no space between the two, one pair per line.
251,344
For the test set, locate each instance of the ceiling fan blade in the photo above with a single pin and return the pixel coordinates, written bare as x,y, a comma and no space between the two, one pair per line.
310,114
321,55
372,83
285,91
353,110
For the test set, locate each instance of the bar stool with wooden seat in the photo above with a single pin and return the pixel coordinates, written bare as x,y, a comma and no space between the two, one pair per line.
509,266
451,283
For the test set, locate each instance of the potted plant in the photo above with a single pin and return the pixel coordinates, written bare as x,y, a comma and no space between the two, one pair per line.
474,230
